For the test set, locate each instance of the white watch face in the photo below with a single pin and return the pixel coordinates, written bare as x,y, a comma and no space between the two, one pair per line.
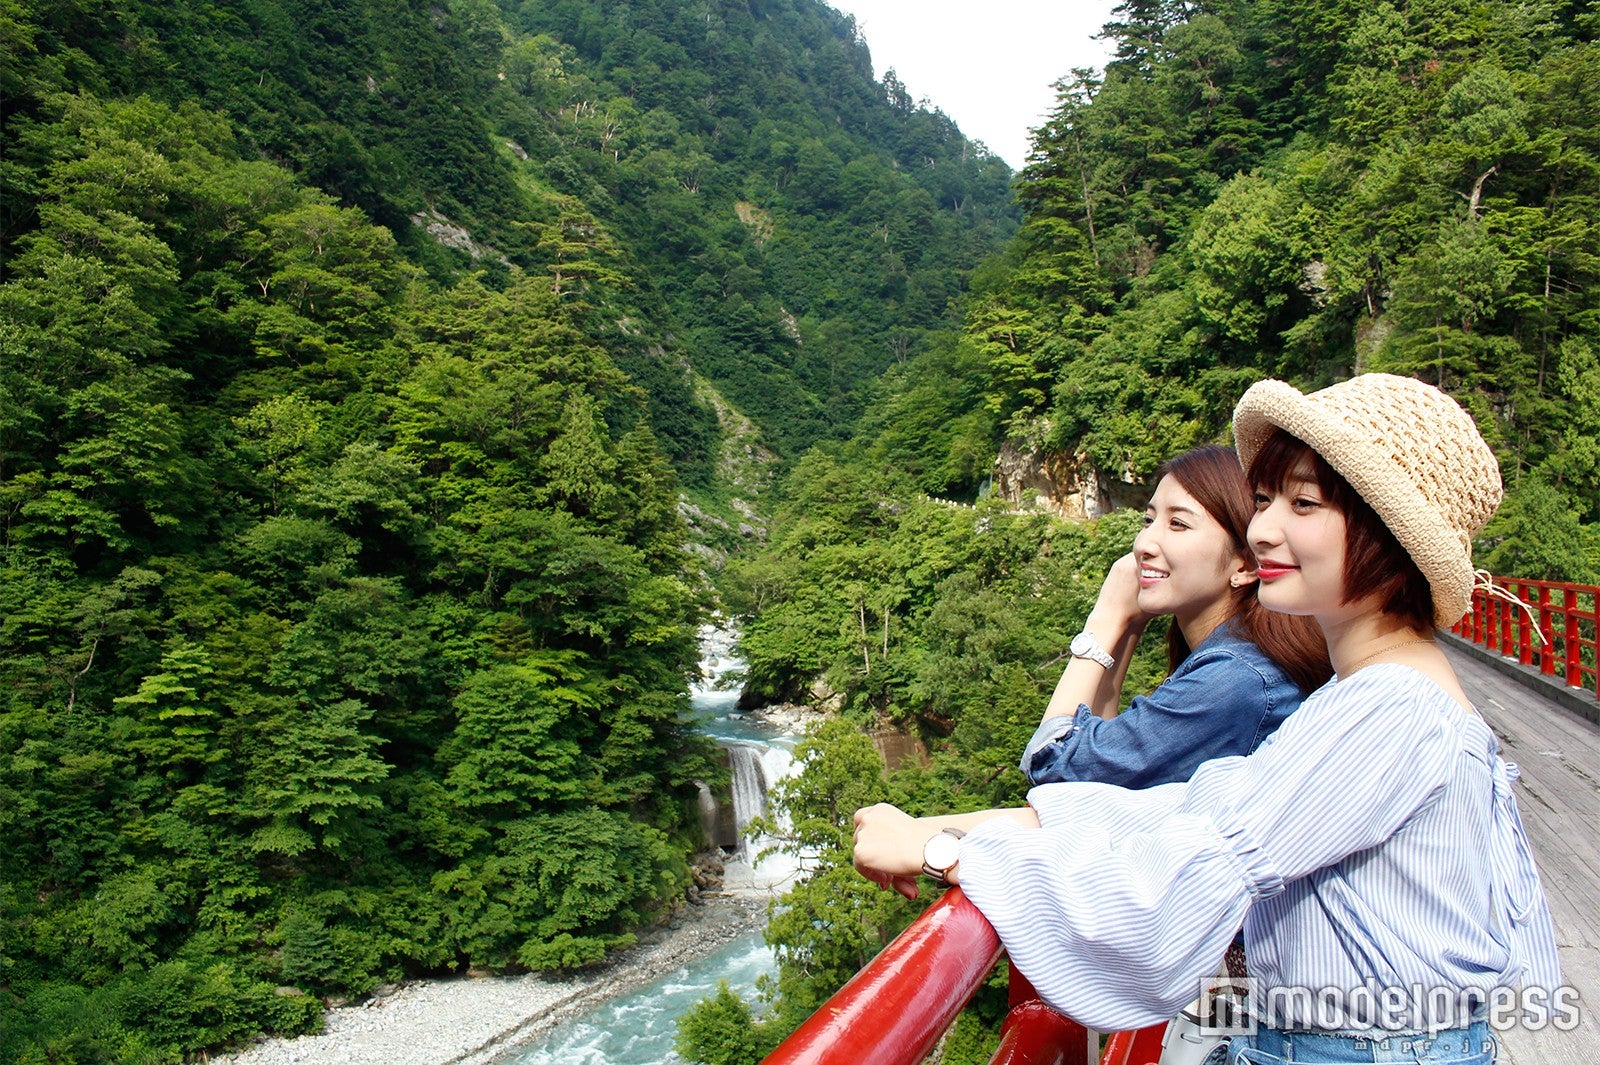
942,851
1084,645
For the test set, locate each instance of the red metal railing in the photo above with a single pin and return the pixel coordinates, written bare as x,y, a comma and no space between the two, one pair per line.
1568,615
1142,1046
896,1009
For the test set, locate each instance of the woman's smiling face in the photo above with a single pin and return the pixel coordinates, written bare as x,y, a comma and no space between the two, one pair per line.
1299,542
1185,557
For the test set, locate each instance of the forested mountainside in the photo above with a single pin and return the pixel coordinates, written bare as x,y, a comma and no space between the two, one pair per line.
727,175
353,357
1313,190
1309,190
1251,188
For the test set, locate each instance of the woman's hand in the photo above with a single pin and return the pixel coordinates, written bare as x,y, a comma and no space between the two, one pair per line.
1116,623
888,847
1116,609
889,841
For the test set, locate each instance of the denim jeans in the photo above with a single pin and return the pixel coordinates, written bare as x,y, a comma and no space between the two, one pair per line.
1472,1045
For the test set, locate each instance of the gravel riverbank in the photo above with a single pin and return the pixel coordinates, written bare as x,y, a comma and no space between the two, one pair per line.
468,1021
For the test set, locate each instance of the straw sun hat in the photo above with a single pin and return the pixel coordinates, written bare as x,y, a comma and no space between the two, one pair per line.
1406,448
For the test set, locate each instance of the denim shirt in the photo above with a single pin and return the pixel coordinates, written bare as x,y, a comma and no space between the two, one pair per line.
1224,699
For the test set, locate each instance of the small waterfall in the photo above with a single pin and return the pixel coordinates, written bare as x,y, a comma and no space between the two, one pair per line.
759,755
755,770
710,823
776,764
749,788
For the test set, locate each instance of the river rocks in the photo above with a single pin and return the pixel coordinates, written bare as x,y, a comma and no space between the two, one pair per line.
473,1022
708,871
793,718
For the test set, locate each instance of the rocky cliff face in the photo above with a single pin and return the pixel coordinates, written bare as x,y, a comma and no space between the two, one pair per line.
1068,485
744,471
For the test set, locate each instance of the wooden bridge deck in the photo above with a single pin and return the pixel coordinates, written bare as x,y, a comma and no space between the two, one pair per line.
1559,795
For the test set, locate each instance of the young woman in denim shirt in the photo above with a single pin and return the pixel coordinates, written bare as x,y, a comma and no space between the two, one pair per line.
1248,668
1372,846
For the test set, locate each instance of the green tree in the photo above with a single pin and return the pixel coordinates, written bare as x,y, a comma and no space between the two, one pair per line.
176,721
517,742
1577,461
721,1030
1538,535
315,779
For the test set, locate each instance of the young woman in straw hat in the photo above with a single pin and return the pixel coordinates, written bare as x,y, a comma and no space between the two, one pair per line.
1372,847
1236,670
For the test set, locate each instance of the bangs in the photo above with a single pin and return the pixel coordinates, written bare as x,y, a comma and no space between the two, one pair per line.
1284,458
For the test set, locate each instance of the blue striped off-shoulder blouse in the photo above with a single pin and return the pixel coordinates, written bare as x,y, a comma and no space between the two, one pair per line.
1372,842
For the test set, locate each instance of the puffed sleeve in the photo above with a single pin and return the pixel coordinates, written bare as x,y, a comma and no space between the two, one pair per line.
1118,906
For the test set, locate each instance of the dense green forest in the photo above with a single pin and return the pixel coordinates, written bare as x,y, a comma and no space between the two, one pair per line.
359,363
355,361
1249,189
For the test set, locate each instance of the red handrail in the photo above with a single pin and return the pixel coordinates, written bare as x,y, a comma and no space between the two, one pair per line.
1568,616
1035,1034
895,1010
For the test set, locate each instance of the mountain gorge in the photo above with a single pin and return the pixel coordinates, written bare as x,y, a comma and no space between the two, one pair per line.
357,361
362,363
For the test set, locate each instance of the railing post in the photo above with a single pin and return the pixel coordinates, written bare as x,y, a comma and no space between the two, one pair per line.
1138,1046
1524,637
1594,645
1547,658
1502,629
1035,1034
1573,650
1593,617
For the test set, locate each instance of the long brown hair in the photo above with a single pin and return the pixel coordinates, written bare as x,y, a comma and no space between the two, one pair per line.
1212,475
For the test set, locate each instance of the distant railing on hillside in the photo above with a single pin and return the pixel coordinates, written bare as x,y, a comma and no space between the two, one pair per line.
926,498
1568,616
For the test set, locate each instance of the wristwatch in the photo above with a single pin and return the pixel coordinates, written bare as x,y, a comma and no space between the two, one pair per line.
1084,645
940,854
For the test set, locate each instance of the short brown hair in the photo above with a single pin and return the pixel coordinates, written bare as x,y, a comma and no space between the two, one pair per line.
1374,561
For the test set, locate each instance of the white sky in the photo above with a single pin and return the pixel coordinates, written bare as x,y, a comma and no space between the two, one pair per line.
988,64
